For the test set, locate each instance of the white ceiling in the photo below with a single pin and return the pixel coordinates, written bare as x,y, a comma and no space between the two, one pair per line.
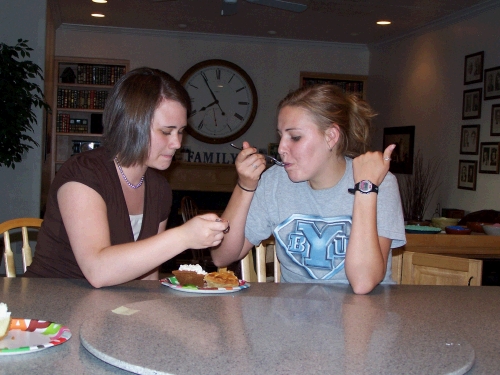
344,21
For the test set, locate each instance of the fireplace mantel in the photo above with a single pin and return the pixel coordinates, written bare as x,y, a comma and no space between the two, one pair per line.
201,176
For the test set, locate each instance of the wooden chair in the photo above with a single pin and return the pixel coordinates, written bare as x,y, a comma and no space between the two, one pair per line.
432,269
189,209
252,273
23,224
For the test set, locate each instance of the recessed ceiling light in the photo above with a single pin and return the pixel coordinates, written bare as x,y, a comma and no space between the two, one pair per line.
384,22
271,32
100,1
97,15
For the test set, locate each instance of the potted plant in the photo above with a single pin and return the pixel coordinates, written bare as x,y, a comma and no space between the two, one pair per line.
418,188
18,96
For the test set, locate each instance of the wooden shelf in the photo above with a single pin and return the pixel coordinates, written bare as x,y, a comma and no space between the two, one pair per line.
79,134
101,70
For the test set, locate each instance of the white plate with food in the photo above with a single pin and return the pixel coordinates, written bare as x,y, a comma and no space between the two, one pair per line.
172,283
30,335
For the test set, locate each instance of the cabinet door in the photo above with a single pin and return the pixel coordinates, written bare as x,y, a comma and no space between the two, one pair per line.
432,269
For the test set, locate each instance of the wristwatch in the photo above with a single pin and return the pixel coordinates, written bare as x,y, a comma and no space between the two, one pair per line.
364,186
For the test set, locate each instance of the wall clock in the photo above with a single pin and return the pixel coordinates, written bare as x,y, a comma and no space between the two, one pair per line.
223,101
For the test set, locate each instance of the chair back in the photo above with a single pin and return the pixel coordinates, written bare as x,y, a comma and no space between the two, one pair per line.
258,273
189,209
433,269
23,224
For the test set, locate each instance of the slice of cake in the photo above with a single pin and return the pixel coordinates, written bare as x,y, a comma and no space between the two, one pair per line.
221,279
4,320
190,274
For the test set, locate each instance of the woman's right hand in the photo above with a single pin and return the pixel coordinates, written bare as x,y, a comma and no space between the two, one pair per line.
249,165
204,231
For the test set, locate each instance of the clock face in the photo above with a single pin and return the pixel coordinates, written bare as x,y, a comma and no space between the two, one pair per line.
223,101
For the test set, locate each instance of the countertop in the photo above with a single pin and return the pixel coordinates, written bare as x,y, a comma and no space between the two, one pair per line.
267,328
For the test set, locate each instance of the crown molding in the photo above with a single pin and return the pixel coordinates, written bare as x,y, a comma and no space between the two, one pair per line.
208,36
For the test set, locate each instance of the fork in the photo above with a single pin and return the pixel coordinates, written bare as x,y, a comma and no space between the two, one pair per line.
274,160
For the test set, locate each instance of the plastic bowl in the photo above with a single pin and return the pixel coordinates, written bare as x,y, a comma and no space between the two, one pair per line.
443,222
477,226
457,229
492,230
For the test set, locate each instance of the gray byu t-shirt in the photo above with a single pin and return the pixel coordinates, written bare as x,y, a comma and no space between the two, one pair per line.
312,227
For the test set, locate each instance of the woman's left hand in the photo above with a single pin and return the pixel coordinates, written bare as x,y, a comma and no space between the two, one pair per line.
372,166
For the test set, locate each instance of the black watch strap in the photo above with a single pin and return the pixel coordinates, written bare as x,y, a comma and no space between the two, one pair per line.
365,187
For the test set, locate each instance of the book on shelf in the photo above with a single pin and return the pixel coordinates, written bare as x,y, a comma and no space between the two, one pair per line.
81,99
90,74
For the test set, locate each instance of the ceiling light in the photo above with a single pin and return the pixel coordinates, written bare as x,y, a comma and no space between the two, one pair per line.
100,1
99,15
384,22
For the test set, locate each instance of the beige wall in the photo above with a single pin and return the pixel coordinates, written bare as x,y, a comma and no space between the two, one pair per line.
274,65
419,81
20,187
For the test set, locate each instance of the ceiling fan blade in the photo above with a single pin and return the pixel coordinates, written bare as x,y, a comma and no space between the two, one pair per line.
229,7
281,4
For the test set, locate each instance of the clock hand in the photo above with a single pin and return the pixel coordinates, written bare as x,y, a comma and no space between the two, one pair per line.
215,118
212,93
211,104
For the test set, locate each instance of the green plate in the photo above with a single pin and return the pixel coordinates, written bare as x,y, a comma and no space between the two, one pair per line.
419,229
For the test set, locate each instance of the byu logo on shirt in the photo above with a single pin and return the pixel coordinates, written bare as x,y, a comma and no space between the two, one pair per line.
315,243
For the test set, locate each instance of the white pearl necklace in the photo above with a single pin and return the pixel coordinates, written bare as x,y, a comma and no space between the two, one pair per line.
126,179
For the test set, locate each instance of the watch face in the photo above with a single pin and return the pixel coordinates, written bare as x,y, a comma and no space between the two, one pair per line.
223,101
365,186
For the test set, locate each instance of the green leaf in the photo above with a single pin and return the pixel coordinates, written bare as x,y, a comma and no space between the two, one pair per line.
18,95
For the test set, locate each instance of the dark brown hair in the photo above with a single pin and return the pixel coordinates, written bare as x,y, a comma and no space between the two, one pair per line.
130,108
328,105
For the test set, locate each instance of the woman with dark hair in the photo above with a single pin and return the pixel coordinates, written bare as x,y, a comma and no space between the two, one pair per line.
333,208
107,208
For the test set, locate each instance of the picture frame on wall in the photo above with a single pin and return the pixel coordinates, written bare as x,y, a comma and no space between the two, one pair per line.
469,140
471,106
402,156
467,174
492,83
488,157
350,84
495,119
473,68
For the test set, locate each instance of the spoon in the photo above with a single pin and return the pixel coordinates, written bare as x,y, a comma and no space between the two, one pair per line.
274,160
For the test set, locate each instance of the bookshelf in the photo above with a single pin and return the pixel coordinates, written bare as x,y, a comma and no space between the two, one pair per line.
352,84
81,88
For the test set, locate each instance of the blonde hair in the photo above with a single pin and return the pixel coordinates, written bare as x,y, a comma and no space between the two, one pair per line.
329,106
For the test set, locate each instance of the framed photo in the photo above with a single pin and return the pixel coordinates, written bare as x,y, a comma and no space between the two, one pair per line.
488,158
473,68
402,156
467,173
350,84
495,119
469,140
471,106
492,83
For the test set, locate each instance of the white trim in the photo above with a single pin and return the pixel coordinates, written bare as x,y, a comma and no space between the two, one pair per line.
209,37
